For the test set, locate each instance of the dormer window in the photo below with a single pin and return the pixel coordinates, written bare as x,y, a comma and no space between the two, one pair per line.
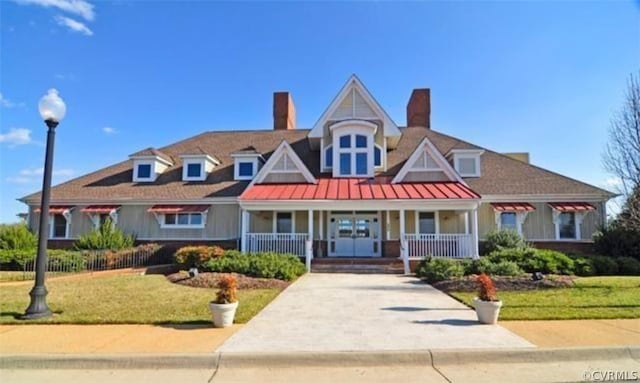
353,149
466,161
143,171
247,164
148,164
196,167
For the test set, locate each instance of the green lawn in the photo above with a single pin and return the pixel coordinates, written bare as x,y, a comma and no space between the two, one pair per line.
127,299
591,298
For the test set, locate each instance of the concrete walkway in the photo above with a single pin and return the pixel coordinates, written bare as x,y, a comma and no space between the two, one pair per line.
351,312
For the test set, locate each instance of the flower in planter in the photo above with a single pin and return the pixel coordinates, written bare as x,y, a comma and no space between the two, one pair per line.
228,290
487,291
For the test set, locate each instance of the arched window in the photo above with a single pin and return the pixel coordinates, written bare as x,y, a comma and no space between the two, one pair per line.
328,157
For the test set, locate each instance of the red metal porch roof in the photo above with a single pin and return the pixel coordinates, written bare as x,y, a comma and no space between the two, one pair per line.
102,209
55,209
571,206
512,206
358,189
177,208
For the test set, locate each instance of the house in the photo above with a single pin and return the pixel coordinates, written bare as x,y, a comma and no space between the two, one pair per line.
354,185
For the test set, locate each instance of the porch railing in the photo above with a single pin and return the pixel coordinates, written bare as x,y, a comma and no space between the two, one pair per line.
439,245
280,243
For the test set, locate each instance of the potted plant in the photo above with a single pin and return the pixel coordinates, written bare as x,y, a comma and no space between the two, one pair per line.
487,304
223,309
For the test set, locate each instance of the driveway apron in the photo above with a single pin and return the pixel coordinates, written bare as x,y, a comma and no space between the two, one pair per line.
350,312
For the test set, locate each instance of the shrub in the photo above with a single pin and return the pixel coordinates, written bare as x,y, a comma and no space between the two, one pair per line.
261,265
503,239
228,289
15,259
17,237
196,256
107,237
484,265
628,266
486,289
439,269
617,241
583,266
604,265
531,260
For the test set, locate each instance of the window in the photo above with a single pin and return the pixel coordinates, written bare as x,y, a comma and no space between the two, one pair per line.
467,162
508,221
328,157
361,164
345,163
245,169
59,226
377,156
345,141
567,222
144,171
427,223
194,170
354,155
183,220
284,222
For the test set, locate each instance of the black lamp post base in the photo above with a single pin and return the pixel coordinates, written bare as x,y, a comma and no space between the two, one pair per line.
38,307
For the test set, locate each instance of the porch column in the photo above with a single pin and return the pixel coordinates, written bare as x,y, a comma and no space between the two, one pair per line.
466,222
309,242
404,253
474,236
244,225
388,224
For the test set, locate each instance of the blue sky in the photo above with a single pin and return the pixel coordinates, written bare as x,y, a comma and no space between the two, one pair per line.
542,77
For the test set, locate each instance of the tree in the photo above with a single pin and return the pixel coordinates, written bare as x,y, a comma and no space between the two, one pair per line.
622,154
629,217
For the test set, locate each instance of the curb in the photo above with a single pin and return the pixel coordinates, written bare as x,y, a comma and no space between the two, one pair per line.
108,361
214,361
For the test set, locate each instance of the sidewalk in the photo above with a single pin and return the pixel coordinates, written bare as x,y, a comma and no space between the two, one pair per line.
90,339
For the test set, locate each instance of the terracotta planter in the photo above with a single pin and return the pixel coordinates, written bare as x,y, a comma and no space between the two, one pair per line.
487,311
223,314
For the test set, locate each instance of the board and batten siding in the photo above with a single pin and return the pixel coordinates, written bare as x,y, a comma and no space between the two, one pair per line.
222,223
539,223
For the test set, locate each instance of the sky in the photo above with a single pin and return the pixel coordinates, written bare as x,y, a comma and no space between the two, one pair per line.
538,77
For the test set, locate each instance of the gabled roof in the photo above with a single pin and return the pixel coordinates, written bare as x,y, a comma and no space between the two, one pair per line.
354,84
152,152
284,149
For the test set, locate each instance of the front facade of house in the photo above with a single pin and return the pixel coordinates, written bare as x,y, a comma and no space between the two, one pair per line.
355,185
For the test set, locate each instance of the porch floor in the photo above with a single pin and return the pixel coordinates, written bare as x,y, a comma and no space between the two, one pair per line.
349,312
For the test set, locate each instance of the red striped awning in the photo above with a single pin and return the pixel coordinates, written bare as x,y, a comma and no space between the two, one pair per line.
55,209
512,206
178,208
100,209
358,189
571,206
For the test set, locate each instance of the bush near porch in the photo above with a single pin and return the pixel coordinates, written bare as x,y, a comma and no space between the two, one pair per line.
286,267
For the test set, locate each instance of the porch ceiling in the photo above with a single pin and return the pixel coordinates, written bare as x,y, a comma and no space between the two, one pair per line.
379,188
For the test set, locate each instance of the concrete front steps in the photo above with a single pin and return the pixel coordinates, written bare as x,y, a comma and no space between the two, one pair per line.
357,265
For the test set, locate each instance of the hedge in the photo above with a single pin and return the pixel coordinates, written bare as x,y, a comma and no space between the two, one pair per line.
260,265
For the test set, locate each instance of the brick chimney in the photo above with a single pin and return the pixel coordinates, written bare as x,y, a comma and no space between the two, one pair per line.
419,108
284,112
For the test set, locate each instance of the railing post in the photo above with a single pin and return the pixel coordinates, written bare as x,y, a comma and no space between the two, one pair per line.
308,253
244,224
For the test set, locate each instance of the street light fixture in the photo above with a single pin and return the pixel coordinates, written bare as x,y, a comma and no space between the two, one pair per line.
52,110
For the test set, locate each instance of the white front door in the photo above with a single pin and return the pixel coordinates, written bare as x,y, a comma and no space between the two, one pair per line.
354,235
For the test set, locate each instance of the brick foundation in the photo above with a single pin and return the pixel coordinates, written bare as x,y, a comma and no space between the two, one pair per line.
391,249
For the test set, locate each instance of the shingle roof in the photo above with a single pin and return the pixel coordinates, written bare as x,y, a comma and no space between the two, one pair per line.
500,174
152,152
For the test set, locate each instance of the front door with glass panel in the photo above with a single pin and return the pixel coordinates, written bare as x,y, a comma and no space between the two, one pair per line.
354,235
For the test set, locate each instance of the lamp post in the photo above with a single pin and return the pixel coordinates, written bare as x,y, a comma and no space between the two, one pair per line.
52,110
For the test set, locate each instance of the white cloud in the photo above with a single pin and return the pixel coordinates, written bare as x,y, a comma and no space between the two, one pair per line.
109,130
20,180
81,8
6,103
40,172
16,136
74,25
